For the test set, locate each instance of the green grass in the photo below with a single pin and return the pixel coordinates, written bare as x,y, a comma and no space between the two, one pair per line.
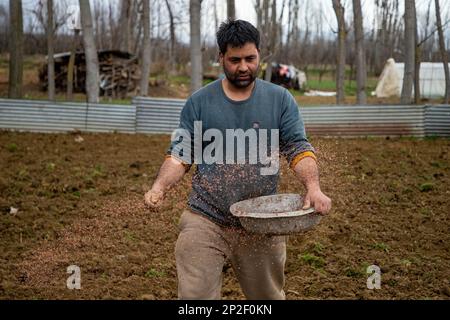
130,236
381,246
351,273
358,272
51,166
312,260
330,85
153,273
12,147
29,62
185,80
427,186
324,85
178,80
318,248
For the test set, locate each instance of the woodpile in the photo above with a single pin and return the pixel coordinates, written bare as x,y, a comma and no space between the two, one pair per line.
119,73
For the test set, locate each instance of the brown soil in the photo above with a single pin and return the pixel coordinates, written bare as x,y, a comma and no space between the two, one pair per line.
82,204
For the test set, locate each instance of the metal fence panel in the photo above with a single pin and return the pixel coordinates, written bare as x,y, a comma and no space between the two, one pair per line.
157,115
41,116
108,118
357,121
437,121
149,115
44,116
162,116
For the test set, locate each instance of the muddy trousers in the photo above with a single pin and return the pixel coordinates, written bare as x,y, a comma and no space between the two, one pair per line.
203,247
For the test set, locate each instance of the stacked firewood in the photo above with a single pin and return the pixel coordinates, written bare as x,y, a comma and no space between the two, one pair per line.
119,73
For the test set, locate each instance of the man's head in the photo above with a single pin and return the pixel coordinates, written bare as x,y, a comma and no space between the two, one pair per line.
238,42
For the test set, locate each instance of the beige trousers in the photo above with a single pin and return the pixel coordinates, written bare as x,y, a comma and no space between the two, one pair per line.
202,248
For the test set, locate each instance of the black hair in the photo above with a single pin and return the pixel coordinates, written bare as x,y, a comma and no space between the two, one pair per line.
236,33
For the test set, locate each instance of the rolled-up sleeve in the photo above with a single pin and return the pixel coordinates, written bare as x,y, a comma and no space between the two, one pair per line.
183,137
294,145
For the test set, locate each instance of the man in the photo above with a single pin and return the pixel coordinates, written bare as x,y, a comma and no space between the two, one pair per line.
209,233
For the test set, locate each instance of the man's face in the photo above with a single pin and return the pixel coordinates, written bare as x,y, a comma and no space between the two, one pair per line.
241,64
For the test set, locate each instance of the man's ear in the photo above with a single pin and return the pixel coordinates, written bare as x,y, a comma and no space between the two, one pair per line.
220,57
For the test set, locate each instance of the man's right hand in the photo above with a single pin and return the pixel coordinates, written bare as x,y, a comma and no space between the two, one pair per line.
154,198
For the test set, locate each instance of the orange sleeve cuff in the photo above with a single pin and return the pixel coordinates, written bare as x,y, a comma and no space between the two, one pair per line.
300,157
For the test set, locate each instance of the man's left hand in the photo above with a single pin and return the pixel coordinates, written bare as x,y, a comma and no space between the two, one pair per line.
318,200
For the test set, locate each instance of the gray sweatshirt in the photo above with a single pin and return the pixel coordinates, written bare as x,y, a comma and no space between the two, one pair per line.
271,112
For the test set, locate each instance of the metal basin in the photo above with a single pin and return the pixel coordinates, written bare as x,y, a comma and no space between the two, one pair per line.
279,214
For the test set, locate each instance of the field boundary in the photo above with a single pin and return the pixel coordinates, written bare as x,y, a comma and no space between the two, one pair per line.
161,116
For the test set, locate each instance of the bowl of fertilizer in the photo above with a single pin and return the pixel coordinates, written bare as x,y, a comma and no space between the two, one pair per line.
279,214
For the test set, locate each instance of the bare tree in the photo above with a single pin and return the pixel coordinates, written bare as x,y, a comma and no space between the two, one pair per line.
262,17
173,38
342,35
386,28
59,12
409,52
4,28
195,7
231,9
417,60
15,49
361,73
259,13
127,19
90,50
443,51
272,39
71,66
146,58
124,23
115,38
50,52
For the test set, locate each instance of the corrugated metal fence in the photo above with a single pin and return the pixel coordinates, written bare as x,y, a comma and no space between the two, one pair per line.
157,115
356,121
162,116
437,121
44,116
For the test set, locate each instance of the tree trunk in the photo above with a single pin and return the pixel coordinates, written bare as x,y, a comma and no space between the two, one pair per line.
125,25
172,66
115,39
90,50
342,34
417,61
195,7
146,51
443,51
361,73
137,43
71,66
409,53
271,39
216,17
15,49
50,51
289,29
259,14
231,10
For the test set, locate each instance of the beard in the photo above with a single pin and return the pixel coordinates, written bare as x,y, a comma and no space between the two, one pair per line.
234,78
